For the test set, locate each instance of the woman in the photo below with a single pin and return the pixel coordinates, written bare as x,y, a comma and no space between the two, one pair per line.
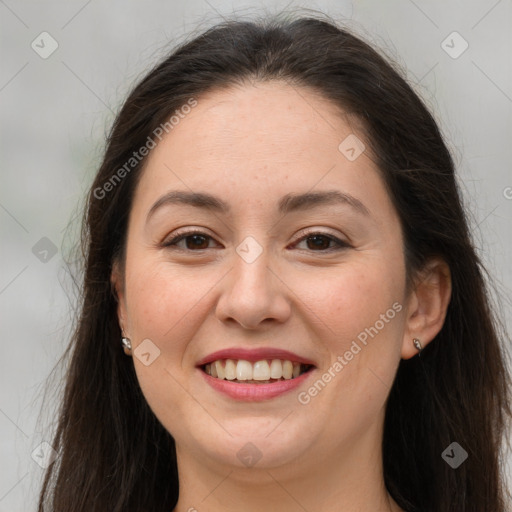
276,239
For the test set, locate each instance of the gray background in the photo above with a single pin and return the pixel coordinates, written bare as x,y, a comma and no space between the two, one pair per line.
56,111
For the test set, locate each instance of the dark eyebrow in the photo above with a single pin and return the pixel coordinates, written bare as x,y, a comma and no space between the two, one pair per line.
293,202
288,203
196,199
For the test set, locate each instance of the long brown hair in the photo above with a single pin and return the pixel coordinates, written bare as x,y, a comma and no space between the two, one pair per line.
115,455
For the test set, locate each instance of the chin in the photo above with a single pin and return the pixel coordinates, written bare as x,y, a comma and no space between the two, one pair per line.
256,442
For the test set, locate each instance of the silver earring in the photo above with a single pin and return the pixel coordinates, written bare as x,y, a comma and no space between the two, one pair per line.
417,344
127,345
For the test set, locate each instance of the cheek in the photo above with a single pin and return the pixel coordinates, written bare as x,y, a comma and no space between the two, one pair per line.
167,304
163,306
361,313
360,317
354,298
157,296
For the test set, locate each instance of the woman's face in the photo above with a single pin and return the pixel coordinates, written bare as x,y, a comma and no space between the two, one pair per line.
299,250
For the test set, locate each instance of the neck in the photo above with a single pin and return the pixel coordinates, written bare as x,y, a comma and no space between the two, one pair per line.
344,479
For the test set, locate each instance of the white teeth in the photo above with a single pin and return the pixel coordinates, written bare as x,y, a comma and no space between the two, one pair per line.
276,369
287,369
230,369
243,370
261,370
220,370
264,370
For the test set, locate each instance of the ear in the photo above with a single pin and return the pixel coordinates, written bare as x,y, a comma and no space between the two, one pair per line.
427,305
117,284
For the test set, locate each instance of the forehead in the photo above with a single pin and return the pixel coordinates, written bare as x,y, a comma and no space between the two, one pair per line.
266,116
251,143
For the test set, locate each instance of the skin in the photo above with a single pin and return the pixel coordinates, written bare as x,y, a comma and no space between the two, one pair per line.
250,145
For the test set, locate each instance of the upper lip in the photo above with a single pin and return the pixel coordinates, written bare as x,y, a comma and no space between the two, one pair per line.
253,355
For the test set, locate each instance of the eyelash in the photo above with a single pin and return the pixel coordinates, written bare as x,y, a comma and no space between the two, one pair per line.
182,236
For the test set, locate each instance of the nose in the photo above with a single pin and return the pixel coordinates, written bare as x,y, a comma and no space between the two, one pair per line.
254,295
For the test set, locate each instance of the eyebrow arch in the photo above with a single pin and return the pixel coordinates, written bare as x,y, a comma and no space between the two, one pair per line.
287,204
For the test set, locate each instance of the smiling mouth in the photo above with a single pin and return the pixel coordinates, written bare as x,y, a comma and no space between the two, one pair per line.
265,371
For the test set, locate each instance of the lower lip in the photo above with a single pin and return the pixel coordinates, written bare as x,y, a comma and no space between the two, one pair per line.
254,392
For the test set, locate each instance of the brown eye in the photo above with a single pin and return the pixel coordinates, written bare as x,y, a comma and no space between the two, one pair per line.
321,242
318,242
199,241
196,241
193,240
